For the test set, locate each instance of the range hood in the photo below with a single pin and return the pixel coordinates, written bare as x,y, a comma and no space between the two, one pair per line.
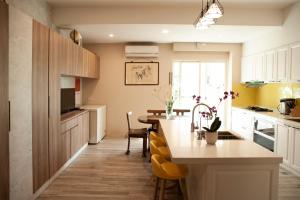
255,84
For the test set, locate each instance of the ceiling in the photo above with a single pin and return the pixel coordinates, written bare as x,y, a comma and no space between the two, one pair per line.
94,31
176,33
231,3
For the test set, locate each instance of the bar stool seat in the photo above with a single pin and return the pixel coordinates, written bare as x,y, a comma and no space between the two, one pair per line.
157,148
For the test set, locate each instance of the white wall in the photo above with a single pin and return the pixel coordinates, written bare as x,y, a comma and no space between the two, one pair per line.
289,33
111,91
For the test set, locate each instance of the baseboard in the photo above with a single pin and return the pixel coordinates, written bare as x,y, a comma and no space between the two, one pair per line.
46,184
291,170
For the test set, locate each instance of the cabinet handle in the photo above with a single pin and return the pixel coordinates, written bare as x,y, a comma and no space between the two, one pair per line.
9,116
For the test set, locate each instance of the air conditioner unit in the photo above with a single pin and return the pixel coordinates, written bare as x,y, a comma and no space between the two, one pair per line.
141,51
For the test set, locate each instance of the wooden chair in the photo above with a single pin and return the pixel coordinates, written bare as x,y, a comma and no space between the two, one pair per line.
156,112
136,133
181,111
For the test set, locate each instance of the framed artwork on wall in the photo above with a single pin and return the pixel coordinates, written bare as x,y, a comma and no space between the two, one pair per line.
141,73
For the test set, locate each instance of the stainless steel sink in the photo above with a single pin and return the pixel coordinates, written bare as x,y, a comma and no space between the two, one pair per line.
223,135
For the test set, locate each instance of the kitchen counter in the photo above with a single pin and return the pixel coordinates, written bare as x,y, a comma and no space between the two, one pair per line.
70,115
185,148
229,170
275,116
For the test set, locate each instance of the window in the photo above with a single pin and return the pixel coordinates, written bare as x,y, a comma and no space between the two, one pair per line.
199,78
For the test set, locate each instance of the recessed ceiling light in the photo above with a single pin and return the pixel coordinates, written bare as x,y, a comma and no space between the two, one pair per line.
165,31
111,35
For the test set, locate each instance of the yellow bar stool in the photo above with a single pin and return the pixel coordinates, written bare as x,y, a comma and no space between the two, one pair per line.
165,170
156,136
157,148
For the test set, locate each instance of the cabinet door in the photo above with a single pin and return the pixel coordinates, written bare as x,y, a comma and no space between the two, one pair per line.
56,60
79,67
40,156
295,148
4,114
271,67
282,64
259,68
76,139
86,127
65,147
85,63
282,142
295,62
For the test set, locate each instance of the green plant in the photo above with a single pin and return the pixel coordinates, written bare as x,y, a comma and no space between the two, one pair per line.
214,126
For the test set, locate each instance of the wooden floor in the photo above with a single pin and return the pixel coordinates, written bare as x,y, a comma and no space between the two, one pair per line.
103,171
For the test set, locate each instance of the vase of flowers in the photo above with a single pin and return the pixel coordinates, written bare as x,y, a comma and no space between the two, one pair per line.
211,132
169,108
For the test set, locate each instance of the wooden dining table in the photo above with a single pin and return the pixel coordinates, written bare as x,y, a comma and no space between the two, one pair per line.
150,119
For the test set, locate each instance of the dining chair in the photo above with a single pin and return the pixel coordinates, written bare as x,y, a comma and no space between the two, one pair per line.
136,133
156,112
180,112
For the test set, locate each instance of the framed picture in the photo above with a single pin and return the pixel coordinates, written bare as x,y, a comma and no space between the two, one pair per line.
141,73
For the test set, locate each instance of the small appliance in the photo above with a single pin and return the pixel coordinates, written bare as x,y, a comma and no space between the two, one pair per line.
286,105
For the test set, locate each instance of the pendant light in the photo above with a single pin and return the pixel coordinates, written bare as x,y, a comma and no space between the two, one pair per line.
203,22
215,10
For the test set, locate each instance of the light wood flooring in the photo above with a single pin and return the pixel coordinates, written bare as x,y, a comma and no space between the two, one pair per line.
103,172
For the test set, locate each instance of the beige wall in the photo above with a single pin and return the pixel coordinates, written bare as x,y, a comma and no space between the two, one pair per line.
111,91
37,9
20,136
289,33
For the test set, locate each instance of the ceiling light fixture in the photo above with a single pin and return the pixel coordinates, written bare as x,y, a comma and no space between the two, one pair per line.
111,35
209,15
215,10
165,31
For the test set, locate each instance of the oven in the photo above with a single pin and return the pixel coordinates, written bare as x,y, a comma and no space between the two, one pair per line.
264,133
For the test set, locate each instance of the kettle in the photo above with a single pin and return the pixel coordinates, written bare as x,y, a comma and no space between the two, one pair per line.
286,105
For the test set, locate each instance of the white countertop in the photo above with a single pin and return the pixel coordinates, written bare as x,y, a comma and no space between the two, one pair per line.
276,116
92,107
186,149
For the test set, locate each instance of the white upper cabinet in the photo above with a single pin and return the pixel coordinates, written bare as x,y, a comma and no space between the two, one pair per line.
282,64
259,67
270,66
295,62
247,69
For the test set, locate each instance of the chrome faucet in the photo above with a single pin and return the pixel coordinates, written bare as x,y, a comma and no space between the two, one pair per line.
199,104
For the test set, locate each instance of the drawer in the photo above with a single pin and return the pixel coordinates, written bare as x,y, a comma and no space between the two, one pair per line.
68,124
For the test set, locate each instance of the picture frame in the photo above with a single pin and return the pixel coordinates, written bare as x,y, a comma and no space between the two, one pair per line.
141,73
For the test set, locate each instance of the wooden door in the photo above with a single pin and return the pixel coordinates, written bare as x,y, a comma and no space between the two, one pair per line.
295,60
282,142
80,65
4,108
40,154
56,61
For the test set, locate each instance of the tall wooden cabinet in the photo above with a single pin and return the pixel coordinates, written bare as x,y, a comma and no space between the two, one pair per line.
40,47
56,62
4,108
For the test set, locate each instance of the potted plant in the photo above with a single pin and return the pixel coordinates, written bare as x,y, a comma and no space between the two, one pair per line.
211,133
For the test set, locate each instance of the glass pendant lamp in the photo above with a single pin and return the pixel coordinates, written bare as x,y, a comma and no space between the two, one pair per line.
215,10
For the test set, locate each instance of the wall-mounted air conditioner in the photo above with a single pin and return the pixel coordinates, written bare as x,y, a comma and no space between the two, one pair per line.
133,51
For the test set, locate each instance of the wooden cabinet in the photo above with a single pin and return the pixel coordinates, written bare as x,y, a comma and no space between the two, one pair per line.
40,155
282,64
4,107
295,62
74,135
56,61
77,60
282,142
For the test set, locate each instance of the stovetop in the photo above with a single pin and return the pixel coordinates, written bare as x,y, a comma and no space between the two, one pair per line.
258,109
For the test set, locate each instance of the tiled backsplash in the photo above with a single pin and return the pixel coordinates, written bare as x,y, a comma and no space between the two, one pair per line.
267,95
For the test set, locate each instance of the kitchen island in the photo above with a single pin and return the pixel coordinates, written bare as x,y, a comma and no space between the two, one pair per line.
229,170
